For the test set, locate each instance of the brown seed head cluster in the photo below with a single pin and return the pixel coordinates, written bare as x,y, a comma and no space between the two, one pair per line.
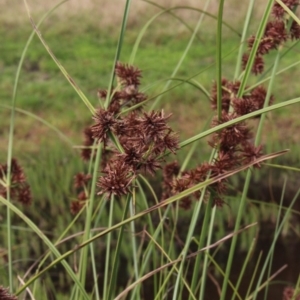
144,137
249,102
289,294
278,11
277,32
127,92
19,188
81,182
174,183
233,144
5,295
86,152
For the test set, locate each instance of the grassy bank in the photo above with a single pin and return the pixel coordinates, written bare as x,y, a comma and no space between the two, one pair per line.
86,50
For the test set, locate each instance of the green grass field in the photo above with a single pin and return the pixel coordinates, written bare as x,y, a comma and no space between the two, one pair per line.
87,50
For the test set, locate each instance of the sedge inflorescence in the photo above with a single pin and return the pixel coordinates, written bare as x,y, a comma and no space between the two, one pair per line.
19,188
289,293
6,295
143,137
278,31
137,141
233,144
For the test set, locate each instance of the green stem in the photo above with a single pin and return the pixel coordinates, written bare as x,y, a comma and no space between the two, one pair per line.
51,247
108,244
148,251
88,221
212,214
94,269
219,59
186,246
118,52
202,237
133,241
242,272
10,146
183,55
271,250
279,215
166,202
234,239
56,244
247,183
254,49
115,264
243,38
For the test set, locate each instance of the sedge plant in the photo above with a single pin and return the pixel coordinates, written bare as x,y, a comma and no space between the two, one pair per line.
129,144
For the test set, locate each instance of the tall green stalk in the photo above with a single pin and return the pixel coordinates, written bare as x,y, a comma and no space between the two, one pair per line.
271,250
219,59
243,39
133,239
88,222
155,103
276,230
248,176
166,202
10,145
116,259
187,244
202,238
243,269
212,214
108,250
118,51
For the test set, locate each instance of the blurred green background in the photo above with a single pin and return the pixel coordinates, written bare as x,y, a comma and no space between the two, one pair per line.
83,36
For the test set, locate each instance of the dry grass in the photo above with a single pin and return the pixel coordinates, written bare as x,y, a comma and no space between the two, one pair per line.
109,12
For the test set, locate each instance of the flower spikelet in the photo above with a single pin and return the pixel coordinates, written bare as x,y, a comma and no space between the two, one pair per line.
20,189
116,179
128,75
232,135
154,125
295,31
278,11
105,122
289,294
86,152
81,180
5,295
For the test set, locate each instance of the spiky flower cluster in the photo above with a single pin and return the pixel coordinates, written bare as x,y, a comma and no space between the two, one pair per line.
81,182
289,294
143,137
19,188
249,102
277,32
278,11
86,152
233,145
136,142
5,295
174,183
